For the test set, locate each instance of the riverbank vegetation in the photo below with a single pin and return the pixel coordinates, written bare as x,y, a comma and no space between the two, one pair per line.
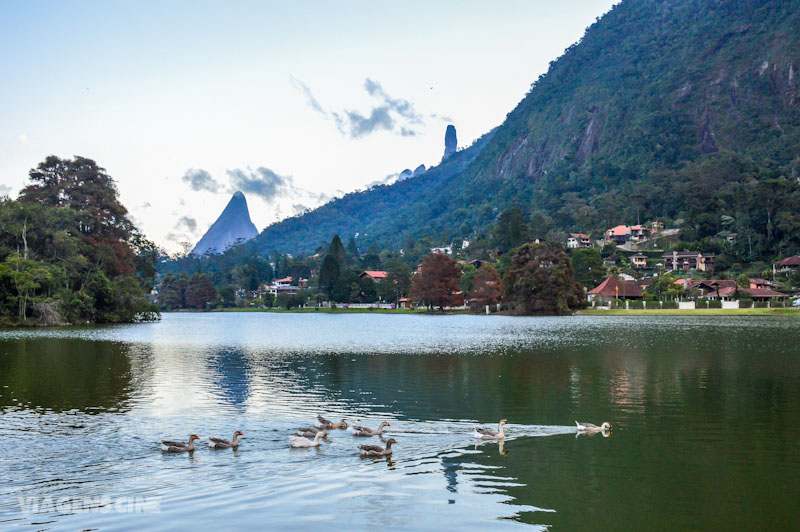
69,253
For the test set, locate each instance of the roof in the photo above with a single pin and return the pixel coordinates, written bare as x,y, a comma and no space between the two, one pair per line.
754,292
686,254
610,285
289,280
639,256
579,235
790,261
375,274
620,230
759,280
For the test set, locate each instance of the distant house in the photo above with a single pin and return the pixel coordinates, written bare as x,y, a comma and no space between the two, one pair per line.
789,264
762,284
285,286
447,250
403,302
578,240
757,294
618,235
621,234
706,289
639,261
376,275
688,260
612,289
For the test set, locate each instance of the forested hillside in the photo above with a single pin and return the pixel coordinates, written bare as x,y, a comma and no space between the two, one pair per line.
684,110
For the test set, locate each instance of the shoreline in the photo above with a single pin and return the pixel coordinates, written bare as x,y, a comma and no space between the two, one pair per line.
693,312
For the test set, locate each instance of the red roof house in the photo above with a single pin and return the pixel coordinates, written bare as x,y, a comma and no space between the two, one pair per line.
612,288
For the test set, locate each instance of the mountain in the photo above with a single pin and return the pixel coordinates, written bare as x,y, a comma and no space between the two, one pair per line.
685,110
233,224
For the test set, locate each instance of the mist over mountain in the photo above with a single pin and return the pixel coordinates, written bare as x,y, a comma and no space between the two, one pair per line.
233,224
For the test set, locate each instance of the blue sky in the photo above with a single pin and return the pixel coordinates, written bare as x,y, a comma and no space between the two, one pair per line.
294,102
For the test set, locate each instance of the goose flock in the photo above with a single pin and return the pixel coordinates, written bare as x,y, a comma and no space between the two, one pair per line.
311,436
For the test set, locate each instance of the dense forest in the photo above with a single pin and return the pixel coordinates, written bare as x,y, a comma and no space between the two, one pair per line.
69,254
685,111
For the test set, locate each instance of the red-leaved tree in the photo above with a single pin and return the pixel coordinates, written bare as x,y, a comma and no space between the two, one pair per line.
436,282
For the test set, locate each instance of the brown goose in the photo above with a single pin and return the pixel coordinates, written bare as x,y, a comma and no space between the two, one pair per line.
376,450
489,434
323,423
366,431
219,443
177,446
590,427
308,432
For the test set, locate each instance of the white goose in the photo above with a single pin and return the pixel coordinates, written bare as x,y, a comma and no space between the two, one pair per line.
590,427
300,441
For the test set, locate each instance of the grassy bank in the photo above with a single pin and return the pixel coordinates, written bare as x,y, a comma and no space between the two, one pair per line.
696,312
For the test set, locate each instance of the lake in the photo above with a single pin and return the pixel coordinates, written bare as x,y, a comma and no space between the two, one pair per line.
705,415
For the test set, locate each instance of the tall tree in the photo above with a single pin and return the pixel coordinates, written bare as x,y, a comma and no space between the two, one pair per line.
338,252
540,281
588,266
436,282
329,274
487,287
510,230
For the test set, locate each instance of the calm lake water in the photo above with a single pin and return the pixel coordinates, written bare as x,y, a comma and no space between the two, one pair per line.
705,414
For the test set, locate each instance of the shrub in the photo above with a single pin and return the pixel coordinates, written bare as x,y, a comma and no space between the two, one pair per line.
670,304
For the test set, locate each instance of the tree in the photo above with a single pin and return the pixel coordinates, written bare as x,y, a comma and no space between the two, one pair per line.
200,291
663,286
397,282
329,274
338,252
540,280
487,288
510,230
587,264
436,282
352,249
79,254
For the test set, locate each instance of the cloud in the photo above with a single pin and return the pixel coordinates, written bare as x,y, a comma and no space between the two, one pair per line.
187,223
299,208
312,102
23,139
262,182
201,180
4,190
388,180
392,114
395,115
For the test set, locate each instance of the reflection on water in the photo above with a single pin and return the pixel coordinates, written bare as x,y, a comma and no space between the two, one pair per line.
704,416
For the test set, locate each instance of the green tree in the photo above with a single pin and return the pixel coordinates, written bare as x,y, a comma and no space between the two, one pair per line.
510,230
588,266
329,274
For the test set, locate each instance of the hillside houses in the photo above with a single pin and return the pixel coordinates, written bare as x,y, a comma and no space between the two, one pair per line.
688,260
579,240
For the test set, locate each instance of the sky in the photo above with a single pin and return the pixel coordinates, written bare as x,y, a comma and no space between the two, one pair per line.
293,103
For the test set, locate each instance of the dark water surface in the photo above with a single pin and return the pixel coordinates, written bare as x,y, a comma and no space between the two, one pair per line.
706,416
